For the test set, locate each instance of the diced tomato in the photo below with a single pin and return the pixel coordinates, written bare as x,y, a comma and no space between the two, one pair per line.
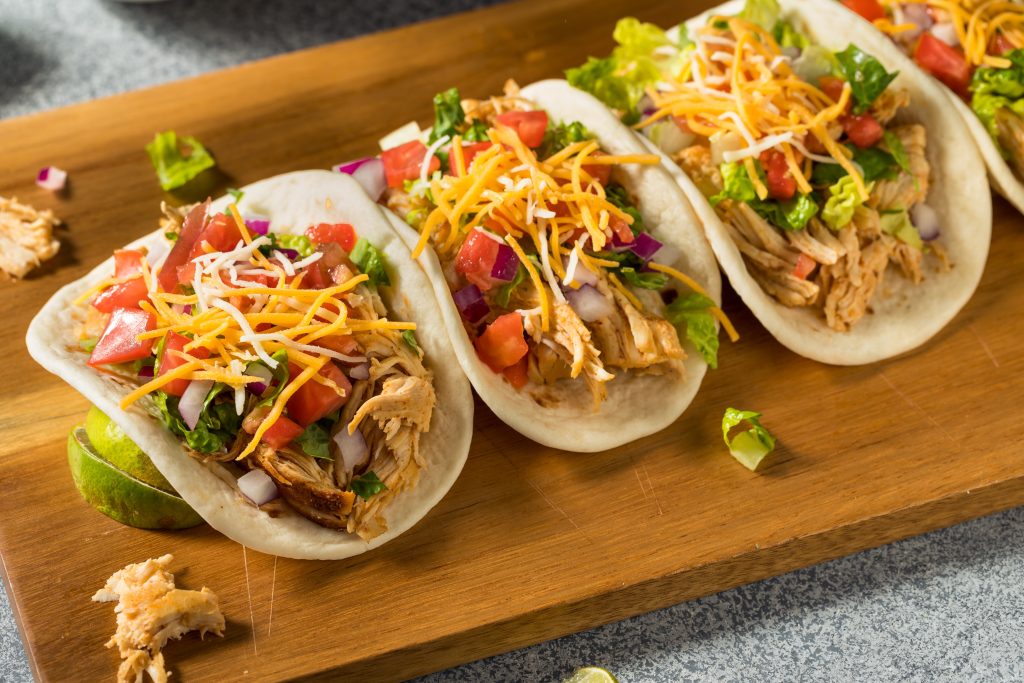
781,184
220,234
334,267
405,161
281,433
476,259
832,86
869,9
602,173
528,125
944,62
864,130
339,233
190,229
125,294
620,229
120,341
469,152
804,265
342,343
502,344
999,45
127,262
516,374
314,400
169,361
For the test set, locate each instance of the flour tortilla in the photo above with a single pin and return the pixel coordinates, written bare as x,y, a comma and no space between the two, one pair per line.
904,315
636,405
293,202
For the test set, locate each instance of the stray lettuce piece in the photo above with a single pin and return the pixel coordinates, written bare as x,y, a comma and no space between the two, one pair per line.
409,337
477,132
764,13
692,310
736,184
653,280
749,447
788,214
993,89
867,77
371,262
786,35
898,225
505,291
368,485
448,114
177,161
558,136
842,202
298,243
314,442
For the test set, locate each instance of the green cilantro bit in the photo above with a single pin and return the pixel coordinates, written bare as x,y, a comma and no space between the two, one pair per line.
367,485
315,441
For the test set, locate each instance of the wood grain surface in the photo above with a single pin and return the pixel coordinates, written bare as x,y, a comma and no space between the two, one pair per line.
531,543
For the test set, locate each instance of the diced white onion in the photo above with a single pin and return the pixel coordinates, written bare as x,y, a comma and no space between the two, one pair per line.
354,451
926,220
361,371
52,178
257,486
589,303
946,32
191,404
400,136
669,137
722,142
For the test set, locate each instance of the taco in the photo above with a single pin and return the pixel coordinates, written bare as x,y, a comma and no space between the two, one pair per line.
976,49
850,234
576,286
300,351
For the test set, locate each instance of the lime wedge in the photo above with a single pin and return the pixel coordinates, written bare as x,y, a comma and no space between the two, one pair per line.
592,674
121,496
114,446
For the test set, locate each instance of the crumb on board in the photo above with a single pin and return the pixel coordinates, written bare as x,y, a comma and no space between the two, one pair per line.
26,237
150,611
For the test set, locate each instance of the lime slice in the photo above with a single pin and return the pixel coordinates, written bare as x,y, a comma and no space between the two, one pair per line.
592,674
114,446
121,496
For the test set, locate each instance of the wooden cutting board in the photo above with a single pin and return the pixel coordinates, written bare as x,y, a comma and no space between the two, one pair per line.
531,543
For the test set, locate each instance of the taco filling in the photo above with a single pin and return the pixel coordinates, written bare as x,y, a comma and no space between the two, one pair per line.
269,351
800,150
975,48
555,275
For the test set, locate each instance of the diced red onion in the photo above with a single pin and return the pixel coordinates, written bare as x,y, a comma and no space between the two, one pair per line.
265,375
926,221
191,404
257,486
146,371
361,371
618,245
945,32
291,254
644,246
470,302
589,304
505,264
354,450
368,172
51,178
259,225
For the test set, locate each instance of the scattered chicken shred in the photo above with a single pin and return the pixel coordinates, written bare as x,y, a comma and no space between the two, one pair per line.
150,611
26,237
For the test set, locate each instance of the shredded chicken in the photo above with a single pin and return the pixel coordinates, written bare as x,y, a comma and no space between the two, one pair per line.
1010,127
886,105
486,110
150,611
26,237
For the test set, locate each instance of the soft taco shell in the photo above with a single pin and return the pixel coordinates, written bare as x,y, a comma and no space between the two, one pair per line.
904,315
636,405
293,202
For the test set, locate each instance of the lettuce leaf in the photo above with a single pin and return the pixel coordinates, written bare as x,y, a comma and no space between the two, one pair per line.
749,447
558,136
788,214
898,225
315,442
867,77
786,35
993,89
764,13
299,243
736,184
643,280
367,485
371,262
842,202
874,162
177,161
477,132
692,311
448,114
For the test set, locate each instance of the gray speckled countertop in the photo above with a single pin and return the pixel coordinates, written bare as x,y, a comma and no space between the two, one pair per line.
947,606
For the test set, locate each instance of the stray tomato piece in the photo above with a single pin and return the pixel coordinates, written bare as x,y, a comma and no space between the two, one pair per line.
804,266
781,184
281,433
999,45
944,62
125,294
502,344
314,400
516,374
405,162
170,361
120,341
476,259
869,9
528,125
339,233
864,130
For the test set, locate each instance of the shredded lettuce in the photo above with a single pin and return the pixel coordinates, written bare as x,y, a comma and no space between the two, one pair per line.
814,63
504,293
874,162
898,225
843,200
448,114
218,423
643,280
692,310
749,447
315,442
477,132
409,337
177,161
297,243
558,136
788,214
867,77
736,184
764,13
993,89
367,485
371,262
787,35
